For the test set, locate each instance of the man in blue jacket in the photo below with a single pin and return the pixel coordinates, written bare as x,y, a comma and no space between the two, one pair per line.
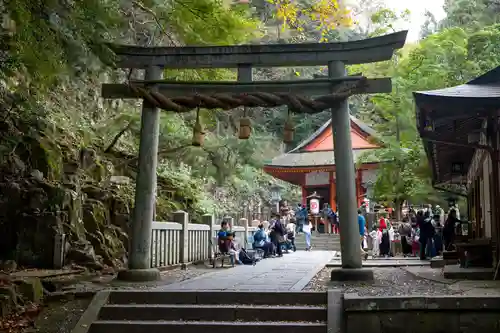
362,224
301,217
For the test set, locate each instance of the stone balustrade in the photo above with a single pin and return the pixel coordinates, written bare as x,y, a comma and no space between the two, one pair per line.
182,242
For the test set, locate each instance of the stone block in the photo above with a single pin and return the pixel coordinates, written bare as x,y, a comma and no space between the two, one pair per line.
354,302
8,300
351,274
460,273
429,322
139,275
30,289
479,321
450,255
438,263
335,309
367,323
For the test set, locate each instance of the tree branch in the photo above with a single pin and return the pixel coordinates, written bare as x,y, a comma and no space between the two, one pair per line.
156,19
117,137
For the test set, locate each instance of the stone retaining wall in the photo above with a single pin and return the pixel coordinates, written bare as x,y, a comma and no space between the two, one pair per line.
432,314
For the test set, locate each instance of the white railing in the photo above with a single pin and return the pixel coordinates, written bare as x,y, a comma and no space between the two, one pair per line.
181,242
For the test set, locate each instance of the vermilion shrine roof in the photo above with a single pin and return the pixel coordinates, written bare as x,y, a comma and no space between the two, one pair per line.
316,153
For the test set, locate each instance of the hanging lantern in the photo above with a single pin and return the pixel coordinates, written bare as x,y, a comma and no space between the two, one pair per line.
198,132
289,130
245,128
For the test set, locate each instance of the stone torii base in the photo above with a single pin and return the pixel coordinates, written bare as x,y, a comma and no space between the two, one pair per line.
351,274
139,275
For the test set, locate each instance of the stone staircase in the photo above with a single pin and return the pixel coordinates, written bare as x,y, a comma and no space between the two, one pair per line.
322,242
210,312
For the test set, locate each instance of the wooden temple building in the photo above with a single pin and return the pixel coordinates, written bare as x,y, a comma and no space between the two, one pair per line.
460,130
311,165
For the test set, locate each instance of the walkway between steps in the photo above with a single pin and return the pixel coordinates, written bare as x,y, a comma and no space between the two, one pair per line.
292,272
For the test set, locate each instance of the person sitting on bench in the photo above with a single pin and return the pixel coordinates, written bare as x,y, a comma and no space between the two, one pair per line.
260,241
227,244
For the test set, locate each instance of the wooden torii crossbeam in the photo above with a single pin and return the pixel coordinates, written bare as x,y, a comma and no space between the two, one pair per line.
331,92
185,96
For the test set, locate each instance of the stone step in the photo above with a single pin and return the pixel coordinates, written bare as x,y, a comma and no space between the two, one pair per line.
197,312
162,326
450,255
216,297
458,273
440,262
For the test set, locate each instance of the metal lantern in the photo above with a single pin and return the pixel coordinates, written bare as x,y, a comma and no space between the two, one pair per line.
245,128
275,193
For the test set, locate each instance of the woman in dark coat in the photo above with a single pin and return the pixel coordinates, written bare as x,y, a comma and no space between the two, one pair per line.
449,229
424,222
385,244
277,234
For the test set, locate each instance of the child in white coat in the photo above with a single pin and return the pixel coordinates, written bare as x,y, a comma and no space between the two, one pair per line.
374,235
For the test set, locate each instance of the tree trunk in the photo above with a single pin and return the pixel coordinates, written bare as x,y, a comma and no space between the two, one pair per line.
398,207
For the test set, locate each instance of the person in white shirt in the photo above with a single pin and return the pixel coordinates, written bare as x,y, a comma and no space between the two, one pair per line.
307,233
376,236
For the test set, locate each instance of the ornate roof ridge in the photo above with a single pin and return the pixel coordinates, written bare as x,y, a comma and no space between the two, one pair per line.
365,130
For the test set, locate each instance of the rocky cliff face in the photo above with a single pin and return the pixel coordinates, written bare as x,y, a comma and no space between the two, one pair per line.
43,196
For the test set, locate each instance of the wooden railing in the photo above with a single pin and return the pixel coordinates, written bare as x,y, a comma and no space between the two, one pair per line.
181,242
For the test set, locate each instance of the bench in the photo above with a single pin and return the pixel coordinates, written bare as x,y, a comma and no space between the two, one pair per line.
217,254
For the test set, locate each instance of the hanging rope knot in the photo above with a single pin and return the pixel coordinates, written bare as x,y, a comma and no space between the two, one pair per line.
227,101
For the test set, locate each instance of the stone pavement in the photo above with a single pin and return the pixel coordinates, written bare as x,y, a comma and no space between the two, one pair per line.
384,262
292,272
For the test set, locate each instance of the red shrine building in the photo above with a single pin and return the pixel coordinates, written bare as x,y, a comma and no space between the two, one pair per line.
311,165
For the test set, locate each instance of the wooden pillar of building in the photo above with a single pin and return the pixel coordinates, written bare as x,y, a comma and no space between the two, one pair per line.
359,188
304,196
495,190
333,189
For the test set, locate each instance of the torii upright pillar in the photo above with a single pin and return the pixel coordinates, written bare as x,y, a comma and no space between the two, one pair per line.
350,241
145,193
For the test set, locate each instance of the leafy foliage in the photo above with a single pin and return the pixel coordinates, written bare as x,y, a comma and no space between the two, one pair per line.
327,14
54,53
446,58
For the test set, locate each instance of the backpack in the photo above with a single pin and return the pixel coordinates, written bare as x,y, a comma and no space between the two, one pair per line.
246,259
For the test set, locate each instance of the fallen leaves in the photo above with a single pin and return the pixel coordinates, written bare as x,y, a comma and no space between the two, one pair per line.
21,320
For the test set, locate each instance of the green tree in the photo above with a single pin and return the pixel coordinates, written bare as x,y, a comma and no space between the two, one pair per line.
444,59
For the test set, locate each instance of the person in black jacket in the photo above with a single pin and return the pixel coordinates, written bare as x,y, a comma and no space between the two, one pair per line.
277,234
449,229
424,222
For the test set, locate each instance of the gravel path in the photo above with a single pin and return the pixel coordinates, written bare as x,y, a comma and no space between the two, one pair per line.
388,282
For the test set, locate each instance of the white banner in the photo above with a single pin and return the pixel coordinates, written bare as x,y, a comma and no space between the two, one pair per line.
317,178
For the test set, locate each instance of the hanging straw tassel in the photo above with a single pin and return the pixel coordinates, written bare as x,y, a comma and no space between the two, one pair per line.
289,130
245,128
198,132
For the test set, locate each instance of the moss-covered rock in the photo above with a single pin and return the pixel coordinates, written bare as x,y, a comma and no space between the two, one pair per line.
30,289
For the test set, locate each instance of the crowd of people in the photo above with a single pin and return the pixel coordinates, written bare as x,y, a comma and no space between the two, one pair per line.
424,233
272,238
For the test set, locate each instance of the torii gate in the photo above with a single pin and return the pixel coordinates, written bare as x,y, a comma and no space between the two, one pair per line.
178,96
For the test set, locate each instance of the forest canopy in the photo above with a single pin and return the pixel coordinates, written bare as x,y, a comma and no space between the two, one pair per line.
54,56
